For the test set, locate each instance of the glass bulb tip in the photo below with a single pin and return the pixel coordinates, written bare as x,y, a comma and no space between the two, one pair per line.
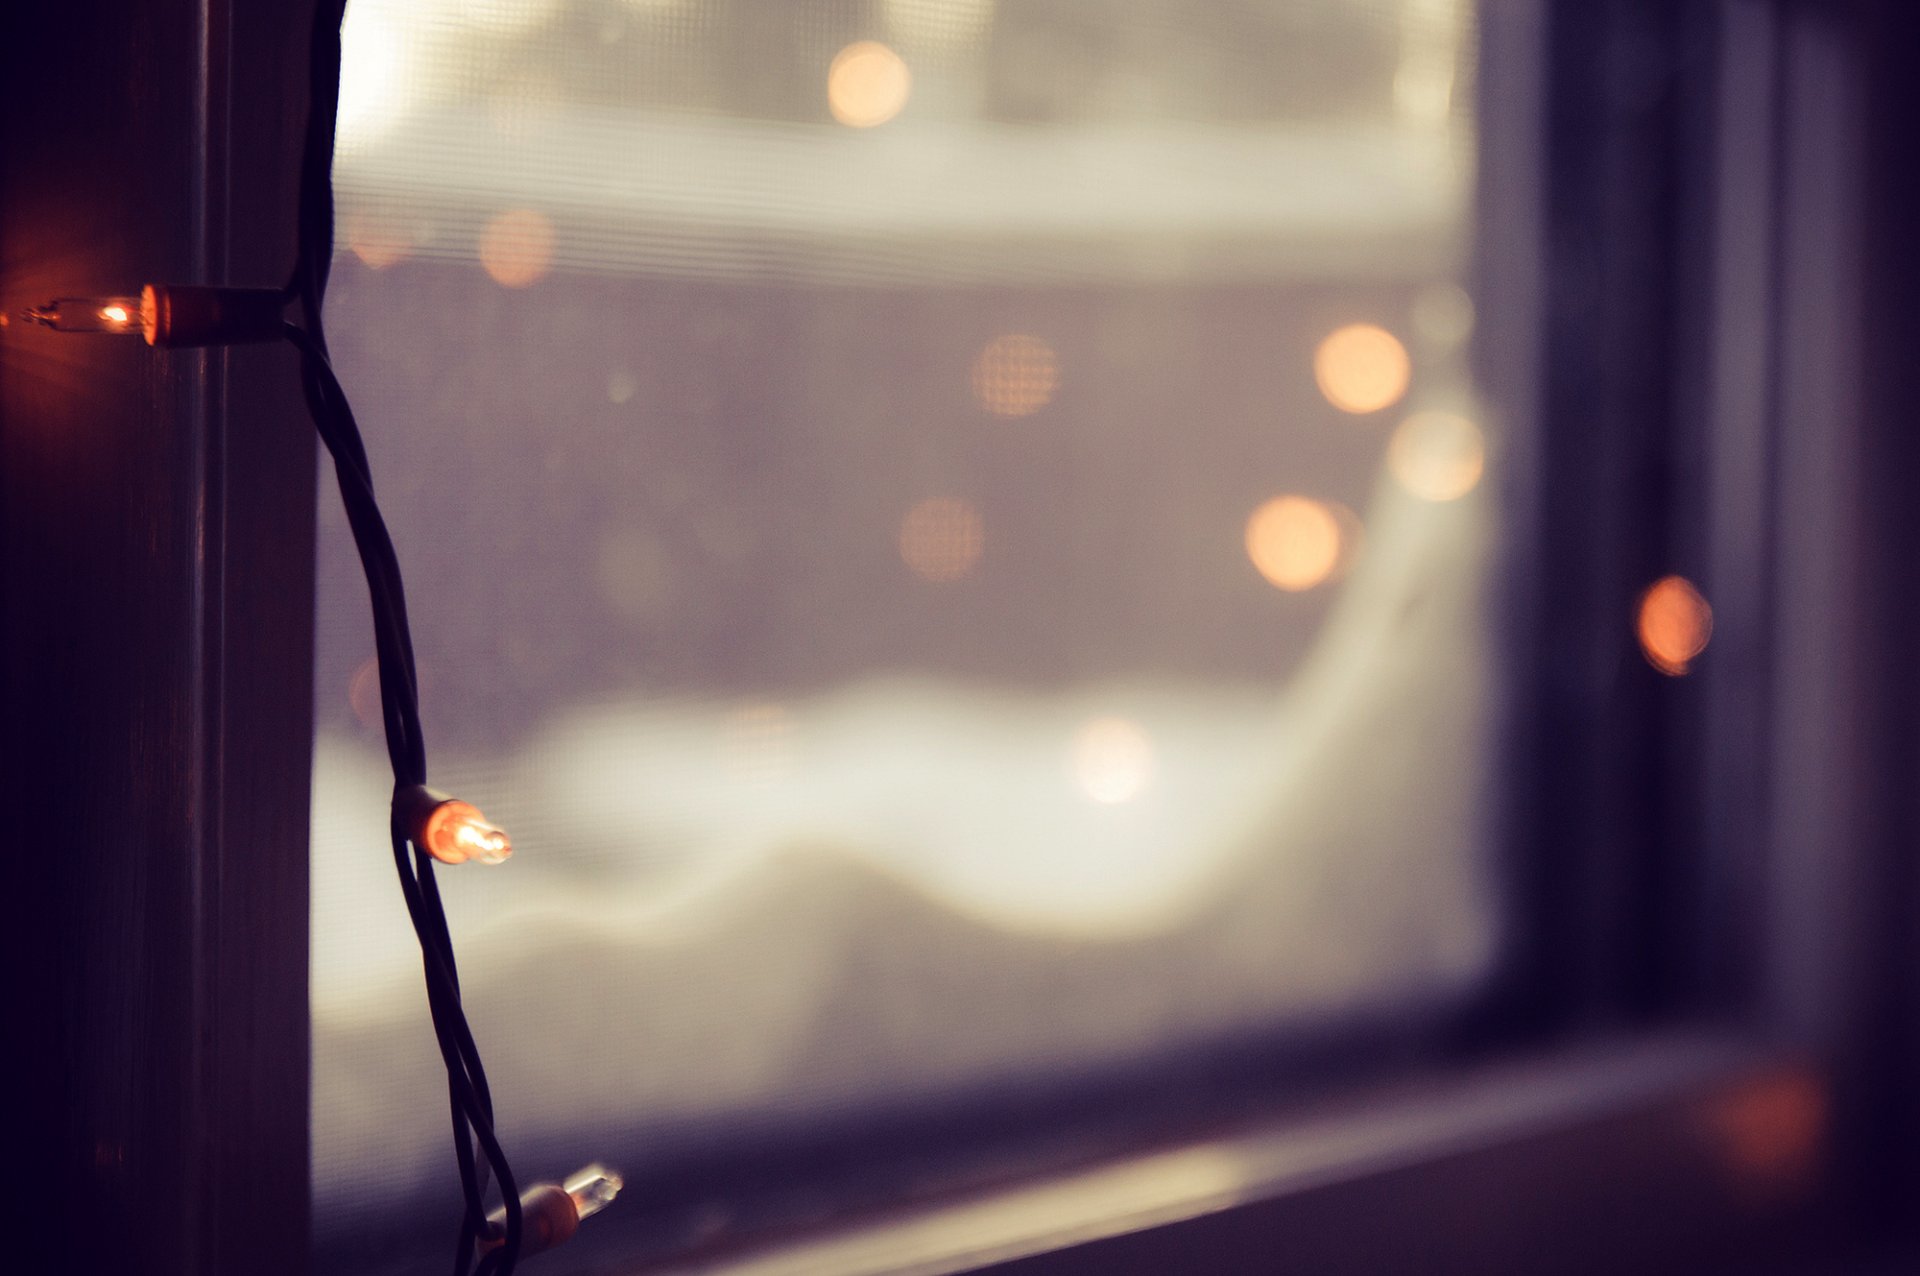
593,1189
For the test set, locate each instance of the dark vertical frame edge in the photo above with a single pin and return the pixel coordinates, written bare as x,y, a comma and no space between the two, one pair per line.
1589,117
156,547
1867,213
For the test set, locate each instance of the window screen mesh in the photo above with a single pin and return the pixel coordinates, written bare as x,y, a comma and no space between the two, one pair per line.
952,533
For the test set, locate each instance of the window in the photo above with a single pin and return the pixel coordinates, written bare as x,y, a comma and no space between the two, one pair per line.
1688,248
955,536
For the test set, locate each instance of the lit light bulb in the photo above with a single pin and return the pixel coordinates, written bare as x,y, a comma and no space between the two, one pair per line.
550,1213
448,829
456,832
113,315
172,315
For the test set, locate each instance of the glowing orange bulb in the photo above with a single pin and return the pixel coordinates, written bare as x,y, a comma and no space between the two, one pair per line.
867,84
377,242
1016,375
516,247
455,832
1294,542
941,538
1674,624
86,314
1362,368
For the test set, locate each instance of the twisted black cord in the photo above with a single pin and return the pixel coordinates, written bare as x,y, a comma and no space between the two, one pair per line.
470,1100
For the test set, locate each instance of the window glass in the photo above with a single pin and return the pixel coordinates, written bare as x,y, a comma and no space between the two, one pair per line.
953,534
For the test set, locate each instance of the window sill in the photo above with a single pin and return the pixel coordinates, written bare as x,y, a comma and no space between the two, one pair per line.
1674,1152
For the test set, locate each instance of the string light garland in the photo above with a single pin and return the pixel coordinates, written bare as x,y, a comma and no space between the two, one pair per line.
427,826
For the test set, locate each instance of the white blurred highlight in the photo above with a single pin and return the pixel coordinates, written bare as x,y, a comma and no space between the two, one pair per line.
1112,760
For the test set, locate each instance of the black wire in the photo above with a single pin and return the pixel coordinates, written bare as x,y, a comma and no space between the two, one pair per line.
399,689
316,169
470,1100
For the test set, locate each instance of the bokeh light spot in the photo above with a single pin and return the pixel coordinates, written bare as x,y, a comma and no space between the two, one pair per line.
1443,316
1674,624
1771,1133
1015,375
1112,760
1437,456
941,538
363,694
378,243
1362,368
1295,542
867,84
516,248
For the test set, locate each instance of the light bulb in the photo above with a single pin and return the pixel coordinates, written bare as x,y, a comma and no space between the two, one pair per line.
593,1189
112,315
172,315
448,829
550,1214
456,832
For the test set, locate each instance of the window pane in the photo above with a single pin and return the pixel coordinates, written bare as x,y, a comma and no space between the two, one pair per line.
952,533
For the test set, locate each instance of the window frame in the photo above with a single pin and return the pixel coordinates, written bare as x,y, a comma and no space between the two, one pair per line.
156,570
